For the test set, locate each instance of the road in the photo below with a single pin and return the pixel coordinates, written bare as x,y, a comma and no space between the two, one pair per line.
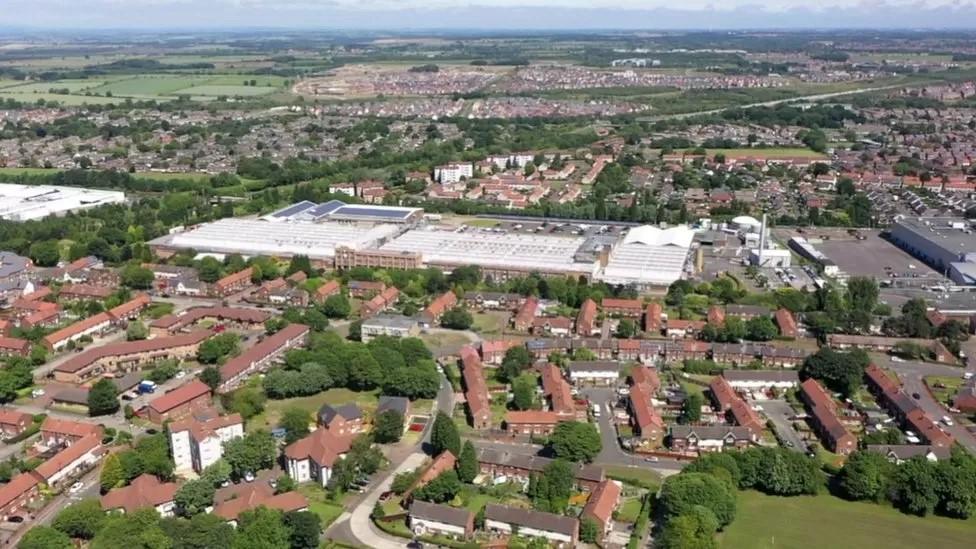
780,412
90,489
911,375
357,527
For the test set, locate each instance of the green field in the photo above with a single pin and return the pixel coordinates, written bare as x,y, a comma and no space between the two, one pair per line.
273,409
66,100
148,86
228,90
823,521
42,87
774,152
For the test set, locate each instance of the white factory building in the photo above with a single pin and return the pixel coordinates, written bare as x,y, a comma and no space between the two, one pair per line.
336,235
27,202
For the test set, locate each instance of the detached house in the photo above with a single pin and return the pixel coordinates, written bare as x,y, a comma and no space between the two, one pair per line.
312,458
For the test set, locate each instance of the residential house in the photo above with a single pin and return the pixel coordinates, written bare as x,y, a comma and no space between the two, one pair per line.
559,530
900,453
312,458
180,402
434,519
431,315
601,505
232,283
539,423
697,439
145,492
388,325
13,422
653,317
476,389
823,413
261,356
343,420
525,316
787,323
761,380
587,372
586,319
259,494
631,308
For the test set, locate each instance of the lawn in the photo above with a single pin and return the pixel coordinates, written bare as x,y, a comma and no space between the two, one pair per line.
628,510
67,100
149,86
640,476
825,521
947,387
444,343
273,409
490,323
319,503
484,223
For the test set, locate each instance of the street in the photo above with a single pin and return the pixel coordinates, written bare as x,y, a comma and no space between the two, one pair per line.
911,375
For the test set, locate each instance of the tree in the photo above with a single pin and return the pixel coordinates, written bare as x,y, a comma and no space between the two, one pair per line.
103,398
839,371
467,463
575,441
218,347
211,376
388,427
203,531
300,263
626,328
112,474
589,531
444,435
865,476
761,328
80,520
305,529
45,537
262,528
136,276
694,530
336,306
137,530
217,473
440,490
136,330
691,408
210,270
194,497
45,253
915,487
457,318
552,489
681,493
523,391
403,481
516,359
247,401
295,422
251,453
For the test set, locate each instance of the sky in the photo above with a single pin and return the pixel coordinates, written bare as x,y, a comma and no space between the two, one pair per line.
486,14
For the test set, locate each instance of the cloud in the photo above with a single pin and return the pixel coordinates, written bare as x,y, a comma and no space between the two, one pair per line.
488,14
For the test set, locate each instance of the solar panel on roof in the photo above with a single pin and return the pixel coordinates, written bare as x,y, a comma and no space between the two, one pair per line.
294,209
325,208
372,212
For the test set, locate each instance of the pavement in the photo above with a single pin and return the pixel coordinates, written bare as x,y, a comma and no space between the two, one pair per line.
911,374
779,412
90,489
357,527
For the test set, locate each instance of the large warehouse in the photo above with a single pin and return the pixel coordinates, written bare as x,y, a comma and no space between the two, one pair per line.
336,235
649,256
27,202
946,243
253,237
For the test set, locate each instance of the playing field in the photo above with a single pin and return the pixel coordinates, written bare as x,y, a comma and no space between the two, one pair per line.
811,522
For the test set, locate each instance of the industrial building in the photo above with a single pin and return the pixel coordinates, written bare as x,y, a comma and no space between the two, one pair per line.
340,236
945,243
27,202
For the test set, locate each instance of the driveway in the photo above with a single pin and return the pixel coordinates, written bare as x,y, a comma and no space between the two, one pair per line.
779,412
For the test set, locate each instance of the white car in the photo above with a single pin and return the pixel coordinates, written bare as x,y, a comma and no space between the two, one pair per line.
76,487
180,375
947,420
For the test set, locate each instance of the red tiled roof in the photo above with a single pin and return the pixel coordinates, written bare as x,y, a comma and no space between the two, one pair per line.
585,318
329,288
69,428
233,279
474,381
77,328
14,344
441,304
17,486
124,348
322,446
443,462
642,375
497,345
526,312
130,306
196,314
261,350
179,396
881,380
533,417
13,417
289,501
602,502
65,457
716,315
652,317
85,290
786,323
555,386
722,392
145,491
645,416
614,303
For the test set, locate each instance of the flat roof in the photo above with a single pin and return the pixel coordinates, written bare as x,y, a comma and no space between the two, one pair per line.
26,202
250,237
492,249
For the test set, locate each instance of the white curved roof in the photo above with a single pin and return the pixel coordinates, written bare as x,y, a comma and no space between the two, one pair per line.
746,220
652,236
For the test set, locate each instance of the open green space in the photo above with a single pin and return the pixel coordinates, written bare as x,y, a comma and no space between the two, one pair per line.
273,409
490,322
824,521
944,388
320,503
640,476
227,90
774,152
43,87
66,100
444,342
148,86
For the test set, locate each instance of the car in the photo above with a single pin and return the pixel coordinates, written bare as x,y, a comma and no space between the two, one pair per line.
76,487
37,393
151,431
180,375
947,420
916,396
248,477
789,444
652,459
897,359
16,519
